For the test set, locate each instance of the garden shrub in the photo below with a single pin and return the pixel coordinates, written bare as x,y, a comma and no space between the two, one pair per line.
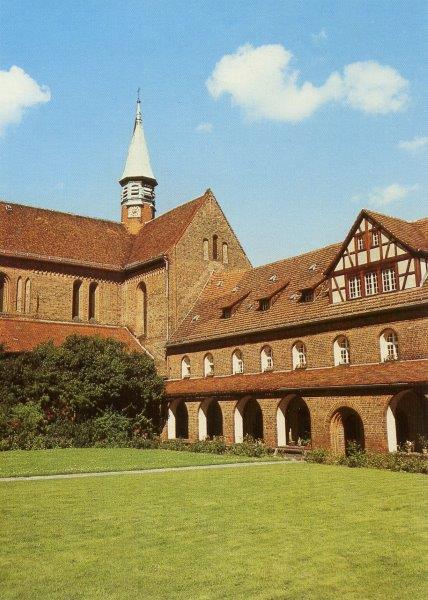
397,461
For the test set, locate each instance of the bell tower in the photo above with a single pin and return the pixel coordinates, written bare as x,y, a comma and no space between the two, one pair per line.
137,181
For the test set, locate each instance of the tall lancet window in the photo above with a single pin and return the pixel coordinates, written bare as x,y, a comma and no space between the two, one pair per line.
19,295
215,247
75,308
27,297
142,309
3,293
93,301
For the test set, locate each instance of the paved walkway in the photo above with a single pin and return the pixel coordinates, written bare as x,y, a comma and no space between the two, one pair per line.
148,471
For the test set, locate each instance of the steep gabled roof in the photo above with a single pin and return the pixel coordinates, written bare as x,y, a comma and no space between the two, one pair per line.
39,233
160,235
21,335
410,233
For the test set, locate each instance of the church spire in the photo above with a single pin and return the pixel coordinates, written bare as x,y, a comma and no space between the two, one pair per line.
137,181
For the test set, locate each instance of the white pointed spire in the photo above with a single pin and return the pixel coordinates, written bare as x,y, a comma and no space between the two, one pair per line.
137,164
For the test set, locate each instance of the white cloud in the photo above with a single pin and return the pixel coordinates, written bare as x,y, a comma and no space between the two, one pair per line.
262,82
204,127
414,145
381,196
321,36
18,91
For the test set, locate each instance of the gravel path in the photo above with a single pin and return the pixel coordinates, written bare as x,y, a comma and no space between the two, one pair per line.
146,471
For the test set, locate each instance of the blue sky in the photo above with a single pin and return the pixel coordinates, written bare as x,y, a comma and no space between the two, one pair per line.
290,165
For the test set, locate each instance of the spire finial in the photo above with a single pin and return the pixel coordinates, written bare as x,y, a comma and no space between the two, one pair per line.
138,95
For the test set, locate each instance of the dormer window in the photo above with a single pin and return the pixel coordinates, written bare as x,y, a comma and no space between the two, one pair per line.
226,312
307,296
264,304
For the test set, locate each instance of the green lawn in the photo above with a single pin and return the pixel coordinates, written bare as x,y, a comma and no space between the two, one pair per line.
82,460
283,531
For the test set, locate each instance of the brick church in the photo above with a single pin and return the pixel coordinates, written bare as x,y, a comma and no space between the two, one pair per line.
329,346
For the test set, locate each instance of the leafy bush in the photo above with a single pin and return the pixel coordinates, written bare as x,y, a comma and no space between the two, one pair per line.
396,461
250,447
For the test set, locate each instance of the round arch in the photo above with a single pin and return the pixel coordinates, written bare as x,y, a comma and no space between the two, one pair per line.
293,421
178,420
210,419
4,292
346,427
248,420
406,419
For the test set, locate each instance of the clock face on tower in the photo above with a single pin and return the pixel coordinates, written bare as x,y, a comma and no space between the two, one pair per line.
134,211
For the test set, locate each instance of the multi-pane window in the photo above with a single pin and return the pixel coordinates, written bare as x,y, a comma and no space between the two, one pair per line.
208,365
389,345
389,283
341,351
266,357
375,238
371,283
299,355
355,287
264,304
359,242
237,362
185,367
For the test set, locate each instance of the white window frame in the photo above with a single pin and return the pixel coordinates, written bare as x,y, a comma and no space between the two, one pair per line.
237,362
299,355
266,359
389,281
341,351
354,287
208,365
185,367
388,345
371,283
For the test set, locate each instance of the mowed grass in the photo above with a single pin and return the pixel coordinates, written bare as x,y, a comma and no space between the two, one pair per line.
89,460
282,531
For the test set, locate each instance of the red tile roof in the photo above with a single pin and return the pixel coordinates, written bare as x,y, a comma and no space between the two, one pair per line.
411,233
160,235
399,372
39,233
20,335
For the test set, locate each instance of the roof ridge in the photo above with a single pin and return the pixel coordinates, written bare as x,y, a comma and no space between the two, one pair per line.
63,212
168,212
281,260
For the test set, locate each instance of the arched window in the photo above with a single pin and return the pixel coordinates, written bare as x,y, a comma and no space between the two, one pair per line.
142,309
27,298
266,359
299,355
341,351
19,295
185,367
92,301
237,362
206,249
75,309
208,365
3,293
225,253
388,345
215,247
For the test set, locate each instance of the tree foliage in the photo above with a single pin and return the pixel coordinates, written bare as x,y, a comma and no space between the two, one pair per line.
84,378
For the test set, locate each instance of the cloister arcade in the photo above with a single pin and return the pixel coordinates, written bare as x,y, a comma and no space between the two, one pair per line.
294,420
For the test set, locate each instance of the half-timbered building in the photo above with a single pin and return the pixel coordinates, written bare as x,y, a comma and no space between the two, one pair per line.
328,347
